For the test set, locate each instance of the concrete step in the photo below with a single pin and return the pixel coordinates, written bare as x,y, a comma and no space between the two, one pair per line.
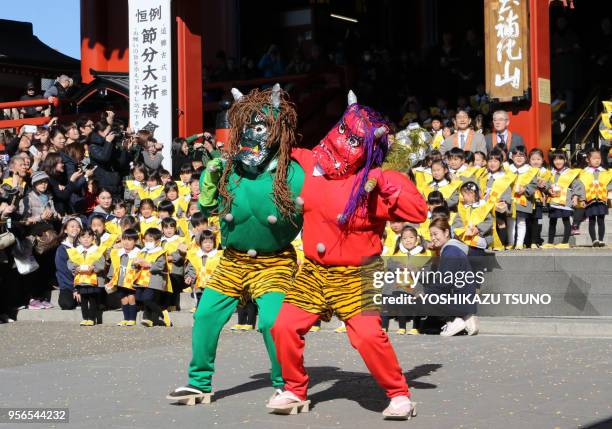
583,238
533,326
187,301
578,280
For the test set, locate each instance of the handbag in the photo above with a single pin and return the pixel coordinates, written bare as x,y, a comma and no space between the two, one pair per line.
24,260
7,239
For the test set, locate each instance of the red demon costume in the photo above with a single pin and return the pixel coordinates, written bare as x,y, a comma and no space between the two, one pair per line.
347,200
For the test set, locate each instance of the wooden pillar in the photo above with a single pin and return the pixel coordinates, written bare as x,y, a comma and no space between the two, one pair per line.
533,121
189,66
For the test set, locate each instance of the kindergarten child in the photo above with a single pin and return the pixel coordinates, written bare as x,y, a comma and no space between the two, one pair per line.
120,210
523,198
105,239
393,231
176,251
184,185
409,245
564,192
152,280
534,219
122,274
474,222
65,277
198,223
134,187
147,218
458,167
498,191
597,182
442,181
154,190
201,262
172,191
86,261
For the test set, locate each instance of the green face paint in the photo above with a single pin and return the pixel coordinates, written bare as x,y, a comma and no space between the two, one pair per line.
254,149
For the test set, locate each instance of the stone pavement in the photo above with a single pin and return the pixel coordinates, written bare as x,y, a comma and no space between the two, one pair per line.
111,377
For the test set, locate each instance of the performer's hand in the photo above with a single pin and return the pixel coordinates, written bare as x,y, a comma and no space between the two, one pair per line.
76,296
214,165
370,185
188,280
375,178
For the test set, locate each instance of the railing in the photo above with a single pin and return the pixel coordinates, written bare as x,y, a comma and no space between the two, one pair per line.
575,137
18,123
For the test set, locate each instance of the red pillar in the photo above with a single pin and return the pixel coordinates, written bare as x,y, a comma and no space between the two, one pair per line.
104,33
534,123
189,66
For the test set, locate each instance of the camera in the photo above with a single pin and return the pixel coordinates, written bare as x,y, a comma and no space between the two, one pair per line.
8,194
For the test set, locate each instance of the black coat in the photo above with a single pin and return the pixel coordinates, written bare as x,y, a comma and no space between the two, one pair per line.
111,161
62,199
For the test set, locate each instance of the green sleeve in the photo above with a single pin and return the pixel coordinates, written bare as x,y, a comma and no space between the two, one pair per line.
209,179
192,138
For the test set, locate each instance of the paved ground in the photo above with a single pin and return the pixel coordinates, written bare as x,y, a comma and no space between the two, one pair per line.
118,378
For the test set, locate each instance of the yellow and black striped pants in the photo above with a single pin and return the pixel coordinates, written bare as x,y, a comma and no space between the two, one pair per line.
239,274
325,289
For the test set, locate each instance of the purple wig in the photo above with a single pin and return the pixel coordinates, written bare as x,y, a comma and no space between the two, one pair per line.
375,151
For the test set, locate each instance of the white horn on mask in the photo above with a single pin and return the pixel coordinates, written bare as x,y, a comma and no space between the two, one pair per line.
275,97
237,94
352,98
380,131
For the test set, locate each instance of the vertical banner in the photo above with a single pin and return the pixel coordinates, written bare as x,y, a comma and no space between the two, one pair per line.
150,44
507,49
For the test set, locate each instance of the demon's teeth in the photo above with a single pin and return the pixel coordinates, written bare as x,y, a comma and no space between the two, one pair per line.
337,164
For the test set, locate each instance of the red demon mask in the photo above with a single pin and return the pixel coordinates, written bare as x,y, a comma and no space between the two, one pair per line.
345,148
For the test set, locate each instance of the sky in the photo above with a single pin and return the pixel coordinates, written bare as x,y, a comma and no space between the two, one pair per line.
56,22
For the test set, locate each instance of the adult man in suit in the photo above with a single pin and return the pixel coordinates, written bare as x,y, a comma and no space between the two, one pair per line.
464,137
501,135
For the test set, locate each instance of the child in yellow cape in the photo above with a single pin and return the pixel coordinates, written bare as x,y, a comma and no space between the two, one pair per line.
523,196
473,224
411,254
442,181
497,188
201,262
597,182
563,194
534,219
121,275
87,263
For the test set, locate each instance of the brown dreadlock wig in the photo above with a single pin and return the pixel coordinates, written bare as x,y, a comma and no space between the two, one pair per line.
281,124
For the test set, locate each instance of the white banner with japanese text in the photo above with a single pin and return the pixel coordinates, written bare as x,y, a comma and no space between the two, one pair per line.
150,42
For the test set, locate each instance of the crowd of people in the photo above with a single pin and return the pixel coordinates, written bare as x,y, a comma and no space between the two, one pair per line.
79,186
87,206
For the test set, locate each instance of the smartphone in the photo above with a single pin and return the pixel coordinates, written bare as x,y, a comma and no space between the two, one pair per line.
29,128
34,151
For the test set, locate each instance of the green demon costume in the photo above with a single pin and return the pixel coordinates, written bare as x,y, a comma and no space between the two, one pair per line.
254,189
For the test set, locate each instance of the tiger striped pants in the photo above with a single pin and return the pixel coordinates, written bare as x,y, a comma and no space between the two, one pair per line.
318,291
265,278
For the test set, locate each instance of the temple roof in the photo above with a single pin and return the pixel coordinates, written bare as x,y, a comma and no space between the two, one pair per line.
20,47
